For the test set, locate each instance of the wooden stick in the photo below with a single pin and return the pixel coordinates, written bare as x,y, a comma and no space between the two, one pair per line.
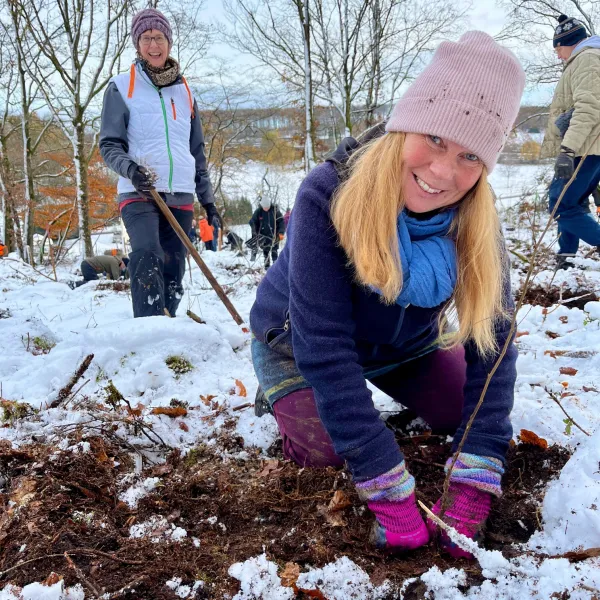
195,317
189,262
188,244
65,392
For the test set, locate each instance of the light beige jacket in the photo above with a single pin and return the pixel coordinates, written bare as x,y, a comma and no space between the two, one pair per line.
579,88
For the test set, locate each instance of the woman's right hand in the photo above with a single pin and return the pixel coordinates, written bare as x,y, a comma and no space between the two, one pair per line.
142,182
391,498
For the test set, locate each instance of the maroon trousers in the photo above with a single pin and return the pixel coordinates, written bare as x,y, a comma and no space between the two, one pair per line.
431,386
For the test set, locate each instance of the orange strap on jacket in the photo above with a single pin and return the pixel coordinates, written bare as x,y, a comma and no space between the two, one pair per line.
187,87
131,81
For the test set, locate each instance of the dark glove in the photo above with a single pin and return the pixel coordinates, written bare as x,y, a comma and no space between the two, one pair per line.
596,197
211,213
564,165
142,182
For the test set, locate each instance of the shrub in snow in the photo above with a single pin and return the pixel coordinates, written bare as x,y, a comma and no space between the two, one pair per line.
179,365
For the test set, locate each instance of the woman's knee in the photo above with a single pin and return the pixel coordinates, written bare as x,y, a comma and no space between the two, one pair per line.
305,440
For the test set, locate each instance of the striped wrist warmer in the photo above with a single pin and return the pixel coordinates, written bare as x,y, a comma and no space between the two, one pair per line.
396,484
481,472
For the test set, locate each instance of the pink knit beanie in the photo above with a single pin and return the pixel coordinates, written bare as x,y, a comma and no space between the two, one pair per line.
470,94
147,19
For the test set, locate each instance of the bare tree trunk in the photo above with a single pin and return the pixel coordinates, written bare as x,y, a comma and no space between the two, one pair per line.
81,176
309,144
29,191
7,187
79,44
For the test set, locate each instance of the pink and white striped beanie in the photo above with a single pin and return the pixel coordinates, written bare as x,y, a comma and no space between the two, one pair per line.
470,94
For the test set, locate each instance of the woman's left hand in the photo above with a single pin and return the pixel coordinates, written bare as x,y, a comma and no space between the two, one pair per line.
467,511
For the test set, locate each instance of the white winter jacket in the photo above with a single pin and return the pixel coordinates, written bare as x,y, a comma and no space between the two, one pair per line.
158,132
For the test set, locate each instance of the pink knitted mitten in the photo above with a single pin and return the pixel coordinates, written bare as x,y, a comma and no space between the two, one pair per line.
399,524
391,498
467,510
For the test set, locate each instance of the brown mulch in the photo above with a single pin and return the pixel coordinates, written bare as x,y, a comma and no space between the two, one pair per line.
68,502
547,296
114,286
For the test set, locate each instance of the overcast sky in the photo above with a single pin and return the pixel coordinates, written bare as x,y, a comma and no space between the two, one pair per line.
485,16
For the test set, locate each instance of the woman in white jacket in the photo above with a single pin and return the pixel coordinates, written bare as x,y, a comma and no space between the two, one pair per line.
151,136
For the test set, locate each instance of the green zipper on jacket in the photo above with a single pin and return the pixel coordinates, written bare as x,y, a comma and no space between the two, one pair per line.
164,110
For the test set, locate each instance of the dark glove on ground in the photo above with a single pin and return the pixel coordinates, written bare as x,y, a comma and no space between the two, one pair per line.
564,165
211,213
142,183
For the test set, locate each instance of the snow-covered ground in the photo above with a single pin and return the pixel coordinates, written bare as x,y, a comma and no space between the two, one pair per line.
559,355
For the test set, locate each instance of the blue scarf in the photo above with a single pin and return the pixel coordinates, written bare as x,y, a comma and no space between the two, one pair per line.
428,258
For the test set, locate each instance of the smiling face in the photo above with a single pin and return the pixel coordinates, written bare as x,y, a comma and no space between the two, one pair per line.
154,47
436,172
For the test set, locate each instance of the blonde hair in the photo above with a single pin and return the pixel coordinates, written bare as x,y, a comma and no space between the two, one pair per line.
365,212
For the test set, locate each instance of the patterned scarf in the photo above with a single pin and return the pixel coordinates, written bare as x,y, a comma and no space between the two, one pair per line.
161,76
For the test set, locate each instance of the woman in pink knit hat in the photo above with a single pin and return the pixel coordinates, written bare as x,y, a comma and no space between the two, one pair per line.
390,236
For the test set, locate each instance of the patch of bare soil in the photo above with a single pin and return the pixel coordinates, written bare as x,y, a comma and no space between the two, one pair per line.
547,296
58,502
114,286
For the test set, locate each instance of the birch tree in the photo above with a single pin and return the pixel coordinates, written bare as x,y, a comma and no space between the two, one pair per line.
367,49
80,44
278,34
10,231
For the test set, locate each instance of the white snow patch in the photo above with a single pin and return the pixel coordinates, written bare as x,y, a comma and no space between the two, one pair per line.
136,492
38,591
157,529
259,580
343,580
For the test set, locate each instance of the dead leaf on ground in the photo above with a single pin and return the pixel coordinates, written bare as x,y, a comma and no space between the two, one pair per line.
552,334
242,388
339,501
563,319
568,371
289,575
590,389
521,334
183,426
270,466
160,470
23,491
52,579
533,439
206,399
170,411
554,353
313,593
137,411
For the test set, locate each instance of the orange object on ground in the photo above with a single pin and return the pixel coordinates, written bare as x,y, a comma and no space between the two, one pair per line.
3,250
207,231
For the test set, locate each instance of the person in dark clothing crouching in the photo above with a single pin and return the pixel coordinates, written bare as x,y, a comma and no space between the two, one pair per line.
151,135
